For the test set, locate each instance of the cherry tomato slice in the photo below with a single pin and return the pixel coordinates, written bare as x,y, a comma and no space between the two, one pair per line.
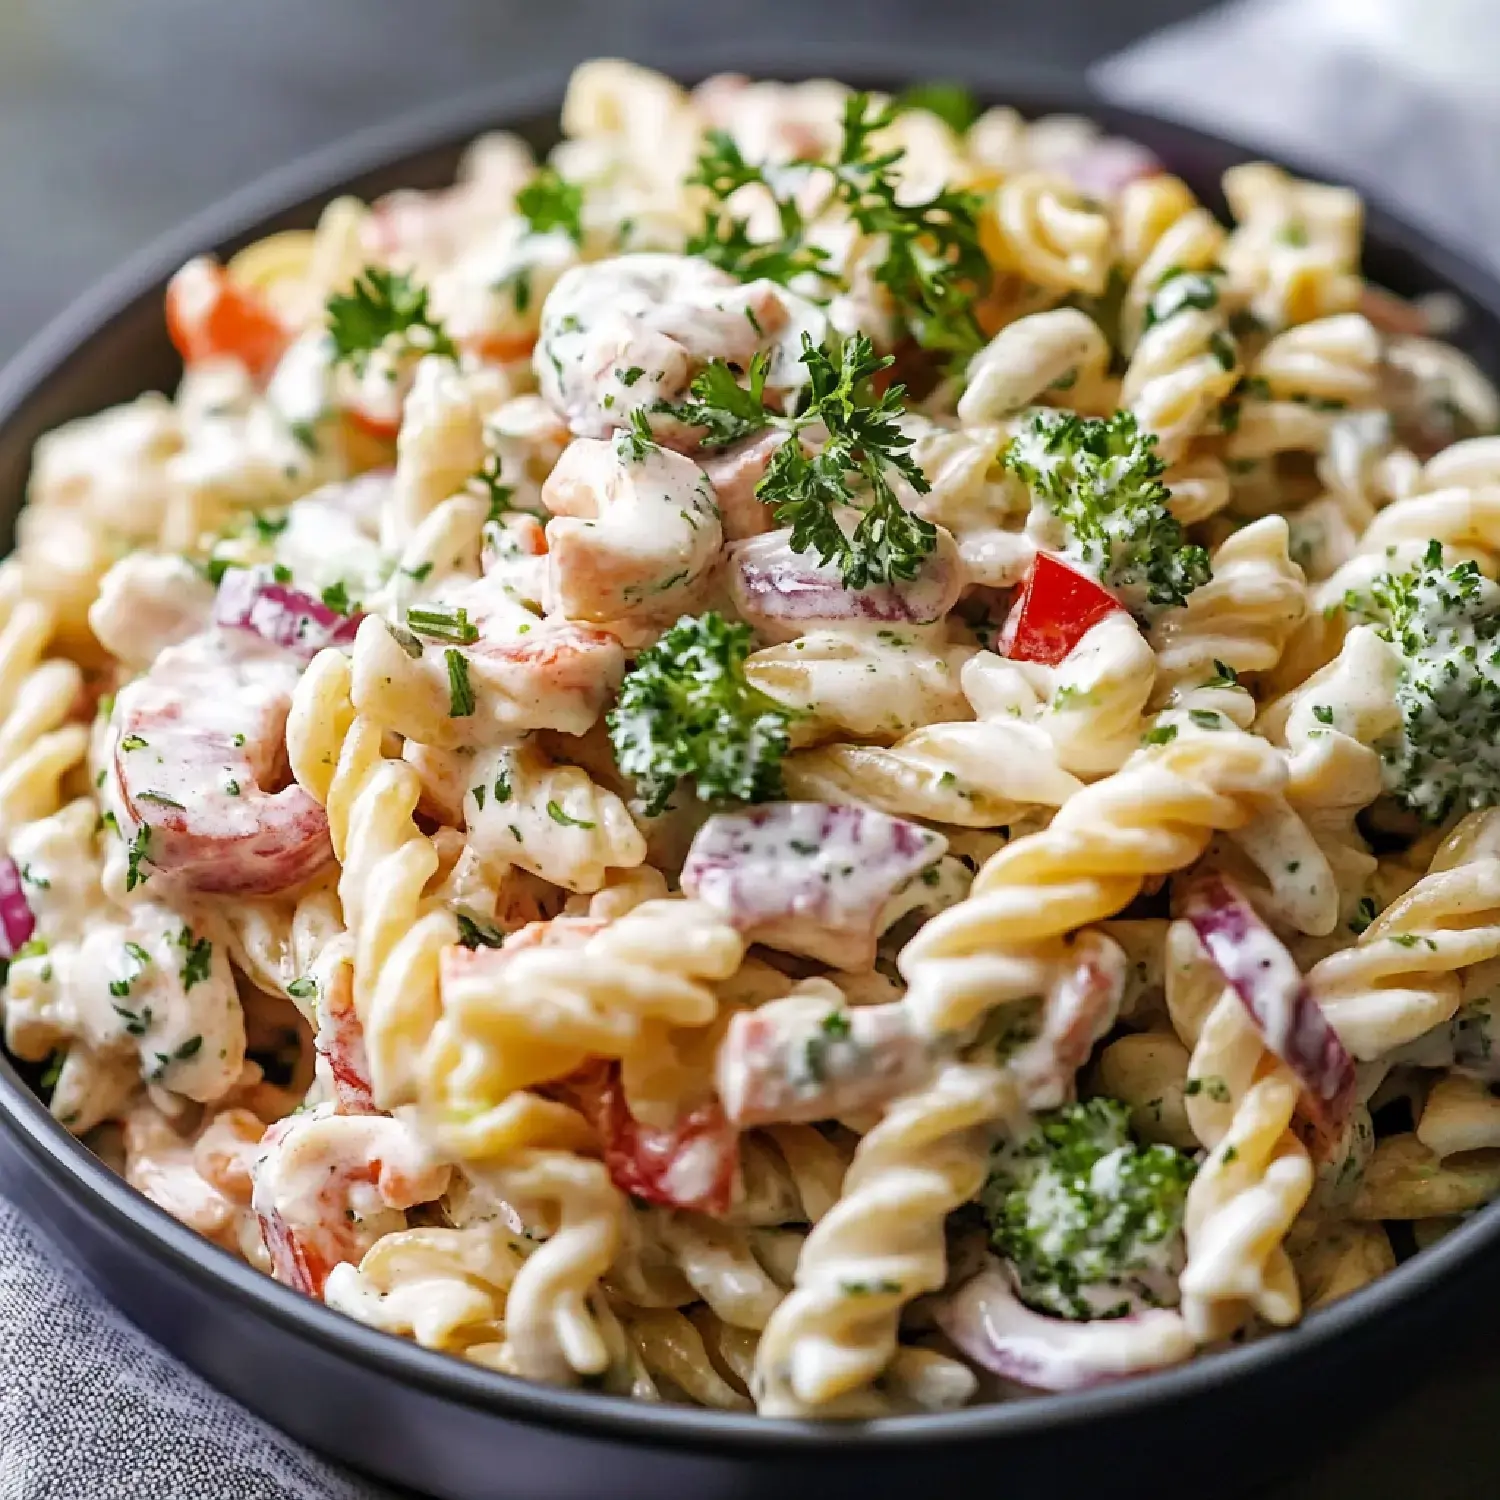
209,317
1057,607
691,1164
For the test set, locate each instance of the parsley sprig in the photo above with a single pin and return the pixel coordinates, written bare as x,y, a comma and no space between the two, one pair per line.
549,201
864,449
932,263
725,238
381,308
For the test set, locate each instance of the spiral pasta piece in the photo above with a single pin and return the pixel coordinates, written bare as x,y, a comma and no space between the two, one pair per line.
40,743
979,774
1183,359
1043,230
529,1151
1295,254
1302,380
1004,943
1400,979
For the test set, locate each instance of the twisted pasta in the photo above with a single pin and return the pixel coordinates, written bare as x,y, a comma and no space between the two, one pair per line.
1044,231
1399,980
1295,253
1183,360
528,1148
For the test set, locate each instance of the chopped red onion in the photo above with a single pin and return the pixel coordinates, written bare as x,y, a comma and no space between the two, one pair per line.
781,593
990,1324
1105,167
808,877
251,599
1258,968
16,920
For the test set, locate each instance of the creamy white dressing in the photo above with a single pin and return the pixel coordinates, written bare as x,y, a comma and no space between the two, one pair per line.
490,298
622,335
782,594
523,672
147,602
551,819
869,682
337,1183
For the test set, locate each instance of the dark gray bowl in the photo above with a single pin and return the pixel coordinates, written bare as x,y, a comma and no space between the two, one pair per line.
456,1431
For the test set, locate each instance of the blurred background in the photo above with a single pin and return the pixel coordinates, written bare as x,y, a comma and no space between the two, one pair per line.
119,118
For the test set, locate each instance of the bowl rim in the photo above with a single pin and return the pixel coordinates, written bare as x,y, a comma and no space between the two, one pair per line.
95,1189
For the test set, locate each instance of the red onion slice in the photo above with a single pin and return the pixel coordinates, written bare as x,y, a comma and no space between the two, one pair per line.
1258,968
16,920
808,877
1108,165
990,1324
781,593
251,599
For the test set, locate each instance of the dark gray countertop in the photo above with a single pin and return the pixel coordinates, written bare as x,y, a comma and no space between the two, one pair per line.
118,120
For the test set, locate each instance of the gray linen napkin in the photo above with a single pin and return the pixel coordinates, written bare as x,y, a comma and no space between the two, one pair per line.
91,1409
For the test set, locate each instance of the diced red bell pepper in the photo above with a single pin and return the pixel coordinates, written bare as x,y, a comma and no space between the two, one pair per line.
1057,607
691,1164
209,317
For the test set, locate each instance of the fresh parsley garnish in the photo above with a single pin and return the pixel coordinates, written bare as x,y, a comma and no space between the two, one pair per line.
637,442
725,238
475,934
443,622
932,263
864,451
336,597
563,820
549,201
382,308
460,694
198,957
138,851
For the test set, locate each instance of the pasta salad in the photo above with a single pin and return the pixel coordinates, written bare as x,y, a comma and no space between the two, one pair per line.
829,755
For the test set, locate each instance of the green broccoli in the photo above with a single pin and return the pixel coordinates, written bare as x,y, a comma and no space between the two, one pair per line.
1445,622
1100,478
687,712
1089,1221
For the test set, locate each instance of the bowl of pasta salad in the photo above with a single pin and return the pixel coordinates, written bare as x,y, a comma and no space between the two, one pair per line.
789,776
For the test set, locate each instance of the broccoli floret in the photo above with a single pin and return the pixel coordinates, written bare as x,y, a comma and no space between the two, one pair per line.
1445,622
1099,479
1090,1222
687,712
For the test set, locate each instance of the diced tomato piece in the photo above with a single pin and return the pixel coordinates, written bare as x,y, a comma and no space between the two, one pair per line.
382,429
1057,607
691,1164
502,349
209,317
